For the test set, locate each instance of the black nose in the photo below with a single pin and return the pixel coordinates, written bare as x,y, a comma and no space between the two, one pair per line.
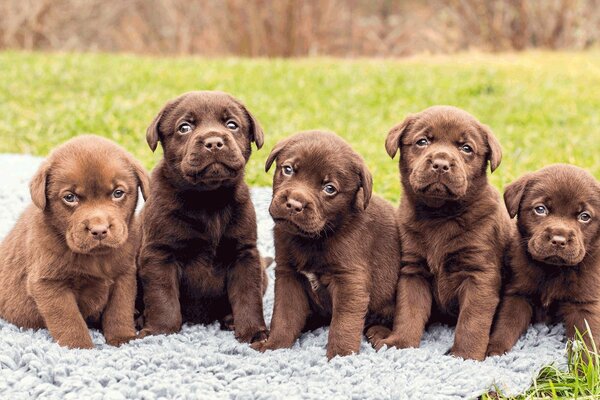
558,241
99,231
214,143
294,205
440,165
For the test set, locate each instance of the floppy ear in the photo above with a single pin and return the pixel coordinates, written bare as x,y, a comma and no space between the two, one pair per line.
142,177
152,136
37,186
275,152
513,194
392,142
256,131
494,154
366,183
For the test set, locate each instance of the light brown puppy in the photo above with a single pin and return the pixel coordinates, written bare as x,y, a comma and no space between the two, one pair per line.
71,255
554,264
453,228
336,247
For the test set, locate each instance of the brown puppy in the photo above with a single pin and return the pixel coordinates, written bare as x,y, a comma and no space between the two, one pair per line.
198,261
71,255
554,264
337,250
453,227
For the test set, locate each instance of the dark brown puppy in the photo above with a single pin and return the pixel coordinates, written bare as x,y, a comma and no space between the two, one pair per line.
337,254
554,264
453,227
71,255
198,261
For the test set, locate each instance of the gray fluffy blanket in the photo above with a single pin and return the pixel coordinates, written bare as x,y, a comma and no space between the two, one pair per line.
205,362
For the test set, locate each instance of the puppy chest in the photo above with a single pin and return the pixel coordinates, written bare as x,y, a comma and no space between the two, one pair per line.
317,286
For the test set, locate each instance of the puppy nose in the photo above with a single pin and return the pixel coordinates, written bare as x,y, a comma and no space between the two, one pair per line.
558,241
214,143
440,165
98,231
294,205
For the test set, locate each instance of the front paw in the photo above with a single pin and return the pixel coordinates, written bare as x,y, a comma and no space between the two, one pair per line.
118,340
251,335
394,340
150,331
76,343
334,350
270,344
376,334
497,349
466,354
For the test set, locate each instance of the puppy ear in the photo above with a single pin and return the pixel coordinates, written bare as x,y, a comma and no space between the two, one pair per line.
142,177
256,132
366,183
494,154
37,186
152,136
392,142
513,194
275,152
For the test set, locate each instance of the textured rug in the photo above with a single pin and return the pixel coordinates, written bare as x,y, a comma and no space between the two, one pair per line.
205,362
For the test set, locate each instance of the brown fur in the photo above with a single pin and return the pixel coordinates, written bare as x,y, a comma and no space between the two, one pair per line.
54,272
554,264
337,256
453,227
199,261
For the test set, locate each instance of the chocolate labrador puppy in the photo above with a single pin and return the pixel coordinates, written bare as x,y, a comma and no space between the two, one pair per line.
198,261
71,255
337,254
454,229
554,264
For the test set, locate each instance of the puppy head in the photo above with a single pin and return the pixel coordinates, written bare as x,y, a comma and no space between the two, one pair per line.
319,183
206,138
558,209
88,191
444,154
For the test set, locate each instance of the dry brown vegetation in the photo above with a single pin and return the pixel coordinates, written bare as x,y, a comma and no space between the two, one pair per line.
290,28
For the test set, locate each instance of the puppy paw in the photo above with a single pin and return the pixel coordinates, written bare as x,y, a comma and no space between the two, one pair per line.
73,343
119,340
376,334
251,335
496,349
149,331
270,344
227,323
394,341
334,351
466,354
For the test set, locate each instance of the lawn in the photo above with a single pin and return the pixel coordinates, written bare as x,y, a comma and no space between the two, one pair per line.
544,108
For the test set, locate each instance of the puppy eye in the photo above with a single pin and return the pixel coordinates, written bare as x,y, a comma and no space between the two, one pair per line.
70,198
540,210
117,194
466,148
231,124
422,142
584,217
184,128
329,189
287,170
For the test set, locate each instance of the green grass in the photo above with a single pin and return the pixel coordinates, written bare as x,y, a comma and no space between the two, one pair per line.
581,379
544,107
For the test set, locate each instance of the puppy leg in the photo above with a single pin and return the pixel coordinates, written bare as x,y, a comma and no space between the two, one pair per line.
117,319
514,315
162,311
290,311
245,292
477,306
350,300
575,316
413,308
58,306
